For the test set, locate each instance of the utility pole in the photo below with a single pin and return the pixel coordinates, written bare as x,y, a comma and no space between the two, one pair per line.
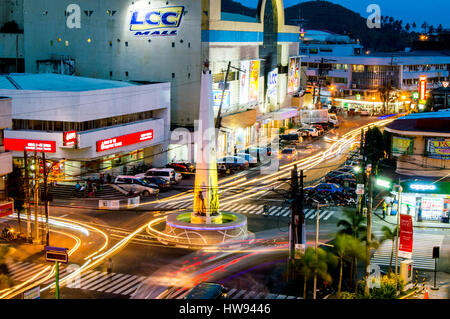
369,230
27,194
300,220
362,171
294,212
320,75
47,233
317,246
36,198
400,190
219,115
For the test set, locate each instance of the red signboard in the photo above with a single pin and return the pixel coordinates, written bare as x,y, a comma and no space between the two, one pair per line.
6,209
423,87
124,140
70,138
16,144
406,236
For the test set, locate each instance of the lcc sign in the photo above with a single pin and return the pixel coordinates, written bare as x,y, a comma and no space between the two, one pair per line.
124,140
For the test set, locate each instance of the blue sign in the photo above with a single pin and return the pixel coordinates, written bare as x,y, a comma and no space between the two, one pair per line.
217,96
145,22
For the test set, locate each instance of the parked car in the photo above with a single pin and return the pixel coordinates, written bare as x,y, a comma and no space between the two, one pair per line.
163,184
319,128
184,168
312,131
206,290
333,109
252,160
364,112
234,162
288,153
262,154
132,183
166,173
326,188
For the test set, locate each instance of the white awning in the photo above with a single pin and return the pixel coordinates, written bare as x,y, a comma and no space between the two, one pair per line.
284,114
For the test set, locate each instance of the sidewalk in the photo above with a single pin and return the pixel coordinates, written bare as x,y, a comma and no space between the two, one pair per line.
442,282
424,224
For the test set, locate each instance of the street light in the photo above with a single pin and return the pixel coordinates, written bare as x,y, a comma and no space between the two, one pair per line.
400,190
317,244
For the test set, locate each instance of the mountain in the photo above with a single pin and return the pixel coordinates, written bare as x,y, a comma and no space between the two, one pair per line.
324,15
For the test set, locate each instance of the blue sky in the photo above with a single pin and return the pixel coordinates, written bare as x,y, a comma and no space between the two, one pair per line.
435,12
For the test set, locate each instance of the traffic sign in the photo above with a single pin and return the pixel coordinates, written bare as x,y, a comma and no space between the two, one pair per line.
56,254
360,189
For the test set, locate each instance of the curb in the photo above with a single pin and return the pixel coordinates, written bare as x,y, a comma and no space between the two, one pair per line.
408,295
414,226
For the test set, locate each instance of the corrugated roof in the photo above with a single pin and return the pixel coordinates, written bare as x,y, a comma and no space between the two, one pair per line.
56,82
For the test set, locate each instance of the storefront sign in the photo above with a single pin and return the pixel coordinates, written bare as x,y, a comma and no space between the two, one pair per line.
402,145
423,88
438,148
217,96
15,144
144,22
432,208
244,80
6,209
422,187
272,79
294,75
70,138
124,140
254,81
406,236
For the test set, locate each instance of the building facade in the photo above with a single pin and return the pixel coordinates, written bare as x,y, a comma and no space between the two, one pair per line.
6,206
87,125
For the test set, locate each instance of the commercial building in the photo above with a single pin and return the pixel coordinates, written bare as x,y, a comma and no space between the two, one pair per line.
6,206
421,144
171,41
355,77
87,125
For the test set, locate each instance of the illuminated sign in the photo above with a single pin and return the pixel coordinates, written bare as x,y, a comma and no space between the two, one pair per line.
6,209
423,187
445,84
383,183
438,148
358,97
254,81
422,88
217,96
70,138
416,95
146,22
124,140
15,144
294,75
272,79
244,80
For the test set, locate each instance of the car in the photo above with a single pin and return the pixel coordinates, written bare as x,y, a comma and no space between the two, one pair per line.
288,153
252,160
364,112
319,128
133,183
303,132
234,162
184,168
326,188
333,109
262,154
338,177
166,173
207,290
313,131
162,183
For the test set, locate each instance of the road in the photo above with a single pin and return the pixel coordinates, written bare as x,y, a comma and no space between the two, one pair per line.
136,255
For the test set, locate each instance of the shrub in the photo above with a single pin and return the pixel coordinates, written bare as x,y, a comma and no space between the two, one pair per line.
387,290
290,125
348,295
282,130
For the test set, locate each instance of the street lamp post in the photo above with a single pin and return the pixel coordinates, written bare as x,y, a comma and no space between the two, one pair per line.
317,246
400,189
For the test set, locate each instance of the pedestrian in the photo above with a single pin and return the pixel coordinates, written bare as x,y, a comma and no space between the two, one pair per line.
108,178
77,186
235,149
109,266
384,209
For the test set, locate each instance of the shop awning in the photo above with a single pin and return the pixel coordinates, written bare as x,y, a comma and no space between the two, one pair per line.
241,119
281,114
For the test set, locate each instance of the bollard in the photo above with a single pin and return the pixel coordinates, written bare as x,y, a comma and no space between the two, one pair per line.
423,286
415,282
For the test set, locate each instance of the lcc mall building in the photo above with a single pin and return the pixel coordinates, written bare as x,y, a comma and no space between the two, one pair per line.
169,41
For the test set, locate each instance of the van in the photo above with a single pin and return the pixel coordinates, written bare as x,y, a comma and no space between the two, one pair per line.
166,173
130,183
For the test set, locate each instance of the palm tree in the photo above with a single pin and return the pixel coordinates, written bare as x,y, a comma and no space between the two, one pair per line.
389,234
345,247
308,264
355,225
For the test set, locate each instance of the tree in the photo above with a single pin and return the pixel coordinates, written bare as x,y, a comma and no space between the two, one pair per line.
346,246
308,264
431,29
373,148
387,142
414,26
15,186
425,27
10,27
389,234
5,279
407,27
439,28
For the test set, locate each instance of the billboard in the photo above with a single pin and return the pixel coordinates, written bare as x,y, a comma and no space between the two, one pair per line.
70,138
124,140
254,81
423,89
244,80
16,144
156,21
402,145
438,148
294,75
272,80
6,209
217,96
406,236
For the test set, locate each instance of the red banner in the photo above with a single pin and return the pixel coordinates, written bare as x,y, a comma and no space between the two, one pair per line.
406,236
70,138
16,144
124,140
6,209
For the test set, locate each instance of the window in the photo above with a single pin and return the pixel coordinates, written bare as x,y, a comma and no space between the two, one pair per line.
173,75
313,50
173,44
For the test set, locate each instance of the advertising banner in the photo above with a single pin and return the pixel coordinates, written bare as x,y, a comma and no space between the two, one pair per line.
294,75
402,145
244,80
217,96
254,81
272,80
15,144
439,148
406,236
6,209
70,138
124,140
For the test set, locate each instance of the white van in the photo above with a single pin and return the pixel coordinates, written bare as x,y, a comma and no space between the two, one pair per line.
166,173
133,183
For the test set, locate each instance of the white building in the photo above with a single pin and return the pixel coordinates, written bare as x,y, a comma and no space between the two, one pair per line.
89,125
5,156
321,42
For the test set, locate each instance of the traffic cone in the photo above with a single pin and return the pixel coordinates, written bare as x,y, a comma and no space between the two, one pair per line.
426,294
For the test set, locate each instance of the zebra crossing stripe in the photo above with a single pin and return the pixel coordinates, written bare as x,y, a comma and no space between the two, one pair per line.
260,296
93,279
290,297
101,277
313,215
113,283
274,210
288,211
239,294
231,292
133,281
12,267
281,297
27,267
31,273
133,286
111,277
310,211
120,285
132,289
330,213
249,295
26,270
271,296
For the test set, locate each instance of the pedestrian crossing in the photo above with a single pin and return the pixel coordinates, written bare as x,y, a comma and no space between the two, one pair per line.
94,280
180,293
422,254
281,211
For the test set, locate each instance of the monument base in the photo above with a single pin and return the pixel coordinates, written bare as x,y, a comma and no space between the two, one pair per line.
198,219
